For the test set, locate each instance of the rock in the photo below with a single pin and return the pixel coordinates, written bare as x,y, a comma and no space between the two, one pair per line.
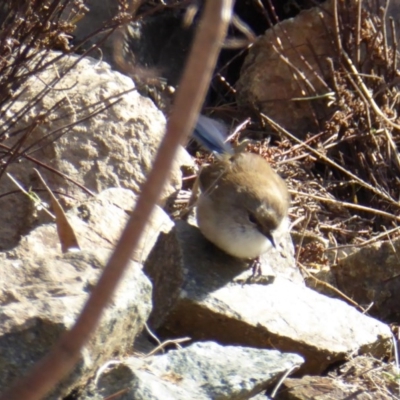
97,223
295,51
114,148
370,277
41,297
260,396
321,388
185,250
106,215
195,295
267,82
201,371
42,291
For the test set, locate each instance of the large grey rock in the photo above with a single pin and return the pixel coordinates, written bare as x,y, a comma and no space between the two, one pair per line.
43,291
114,148
41,298
200,371
196,294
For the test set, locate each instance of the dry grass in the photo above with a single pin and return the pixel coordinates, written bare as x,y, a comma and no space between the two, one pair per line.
344,180
377,378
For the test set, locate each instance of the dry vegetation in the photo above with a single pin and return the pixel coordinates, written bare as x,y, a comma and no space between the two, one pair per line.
29,31
348,187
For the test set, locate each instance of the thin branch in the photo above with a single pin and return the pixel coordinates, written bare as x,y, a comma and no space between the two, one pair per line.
394,46
348,205
167,343
49,168
358,35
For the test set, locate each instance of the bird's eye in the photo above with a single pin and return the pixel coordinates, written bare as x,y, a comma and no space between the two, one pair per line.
252,218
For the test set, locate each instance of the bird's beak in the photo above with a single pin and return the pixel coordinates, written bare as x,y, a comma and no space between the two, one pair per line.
271,239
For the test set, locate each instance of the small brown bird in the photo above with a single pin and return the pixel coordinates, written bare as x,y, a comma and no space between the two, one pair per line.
243,205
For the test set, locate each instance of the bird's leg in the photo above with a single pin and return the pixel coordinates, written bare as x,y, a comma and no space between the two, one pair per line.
256,275
255,266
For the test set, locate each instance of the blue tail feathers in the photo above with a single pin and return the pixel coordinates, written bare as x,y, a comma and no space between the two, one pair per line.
212,135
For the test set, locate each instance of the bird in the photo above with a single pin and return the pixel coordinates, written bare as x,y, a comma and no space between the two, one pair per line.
243,203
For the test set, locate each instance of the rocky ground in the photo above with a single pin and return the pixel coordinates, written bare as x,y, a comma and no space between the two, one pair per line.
317,96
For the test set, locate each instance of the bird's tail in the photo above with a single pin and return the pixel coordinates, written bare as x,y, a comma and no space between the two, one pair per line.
212,135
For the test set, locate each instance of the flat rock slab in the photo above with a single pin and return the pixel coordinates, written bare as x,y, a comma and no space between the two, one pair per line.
183,251
201,371
206,303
